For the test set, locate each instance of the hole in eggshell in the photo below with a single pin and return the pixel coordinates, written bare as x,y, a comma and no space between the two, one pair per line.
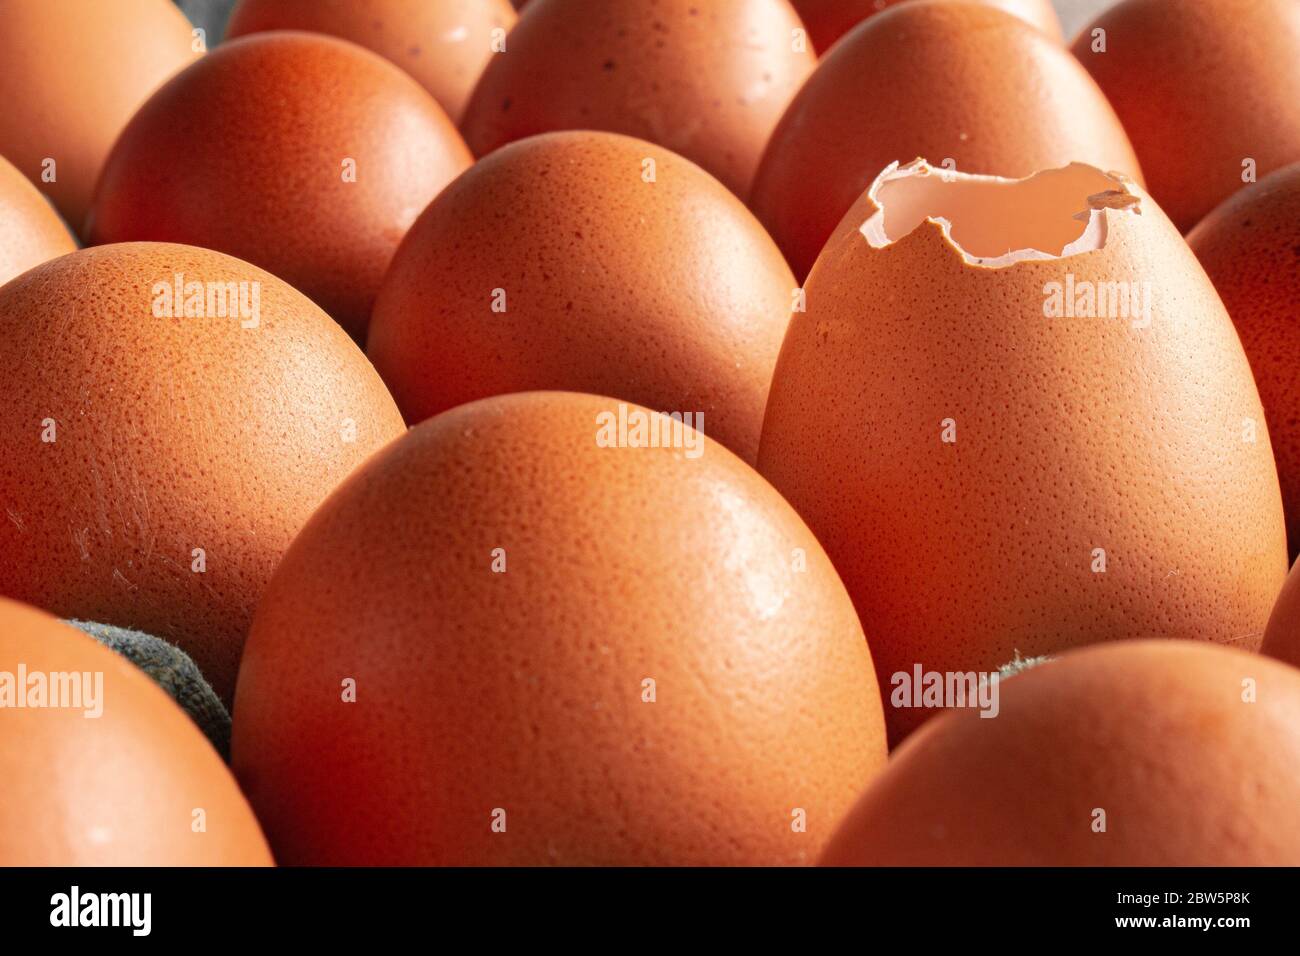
994,221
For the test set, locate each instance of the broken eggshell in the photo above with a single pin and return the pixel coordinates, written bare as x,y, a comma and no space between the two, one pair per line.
1018,418
887,92
1207,90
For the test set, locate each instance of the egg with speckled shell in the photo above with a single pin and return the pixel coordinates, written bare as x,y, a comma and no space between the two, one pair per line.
706,80
169,417
1250,248
1018,418
965,85
588,262
445,44
300,153
1159,735
1207,90
567,624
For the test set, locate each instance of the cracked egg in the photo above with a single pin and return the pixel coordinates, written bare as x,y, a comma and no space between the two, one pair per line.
1018,418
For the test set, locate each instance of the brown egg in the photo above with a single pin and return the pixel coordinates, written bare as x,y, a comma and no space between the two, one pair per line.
1207,90
566,648
828,20
30,230
71,74
587,262
1142,753
966,86
117,775
154,468
1282,638
445,44
1018,418
1250,248
706,80
299,153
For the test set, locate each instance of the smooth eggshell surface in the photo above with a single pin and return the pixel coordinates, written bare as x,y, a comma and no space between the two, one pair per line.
445,44
154,468
947,81
1282,639
1250,248
706,80
114,777
30,230
297,152
1156,741
828,20
621,655
587,262
1205,88
72,72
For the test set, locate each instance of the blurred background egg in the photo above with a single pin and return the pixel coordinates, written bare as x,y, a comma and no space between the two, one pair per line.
591,262
1282,639
30,230
958,82
1207,90
158,454
1250,248
121,788
1154,734
707,80
300,153
828,20
445,44
71,74
564,652
1018,418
